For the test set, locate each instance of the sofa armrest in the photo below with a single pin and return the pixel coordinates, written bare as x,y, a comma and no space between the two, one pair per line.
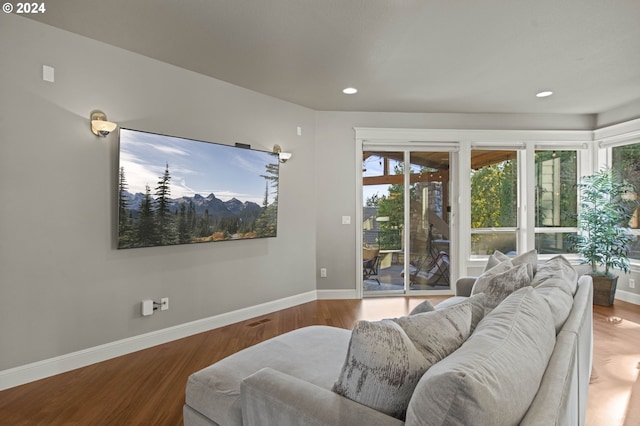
275,398
464,286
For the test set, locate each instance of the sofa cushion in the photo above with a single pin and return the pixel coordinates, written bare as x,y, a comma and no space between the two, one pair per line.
424,306
476,301
387,358
557,272
529,258
499,282
494,376
560,303
314,354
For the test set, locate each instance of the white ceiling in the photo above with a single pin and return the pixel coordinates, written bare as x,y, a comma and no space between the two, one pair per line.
402,55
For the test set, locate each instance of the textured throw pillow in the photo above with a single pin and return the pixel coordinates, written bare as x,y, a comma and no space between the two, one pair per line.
425,306
383,363
476,301
436,334
495,375
496,258
529,258
499,282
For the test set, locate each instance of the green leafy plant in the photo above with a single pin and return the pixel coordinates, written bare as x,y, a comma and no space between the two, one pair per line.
605,210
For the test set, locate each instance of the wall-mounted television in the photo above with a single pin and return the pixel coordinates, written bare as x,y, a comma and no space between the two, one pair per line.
173,190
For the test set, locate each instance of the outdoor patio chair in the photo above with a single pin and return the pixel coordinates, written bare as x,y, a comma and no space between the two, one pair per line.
370,263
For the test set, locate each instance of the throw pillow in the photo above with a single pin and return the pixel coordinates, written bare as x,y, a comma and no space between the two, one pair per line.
529,258
499,282
477,302
383,364
496,258
437,334
425,306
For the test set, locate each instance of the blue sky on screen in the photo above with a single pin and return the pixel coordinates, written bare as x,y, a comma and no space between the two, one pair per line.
195,167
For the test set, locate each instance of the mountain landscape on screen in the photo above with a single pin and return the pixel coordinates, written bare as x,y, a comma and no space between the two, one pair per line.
170,208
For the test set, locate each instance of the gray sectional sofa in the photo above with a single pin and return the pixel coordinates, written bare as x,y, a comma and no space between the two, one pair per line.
527,362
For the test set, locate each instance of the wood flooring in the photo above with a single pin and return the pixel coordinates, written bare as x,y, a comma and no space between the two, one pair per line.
147,387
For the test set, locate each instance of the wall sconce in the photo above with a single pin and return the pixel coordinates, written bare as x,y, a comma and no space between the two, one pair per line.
99,124
284,156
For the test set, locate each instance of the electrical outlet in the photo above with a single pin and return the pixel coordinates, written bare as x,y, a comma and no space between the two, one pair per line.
164,303
632,283
323,272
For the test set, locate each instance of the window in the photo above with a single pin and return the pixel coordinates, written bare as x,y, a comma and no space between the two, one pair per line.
626,160
494,201
495,180
555,201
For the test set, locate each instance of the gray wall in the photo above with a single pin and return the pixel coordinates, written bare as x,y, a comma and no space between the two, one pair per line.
63,285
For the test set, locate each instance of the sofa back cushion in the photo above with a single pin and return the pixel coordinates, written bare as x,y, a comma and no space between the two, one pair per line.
494,376
387,358
557,272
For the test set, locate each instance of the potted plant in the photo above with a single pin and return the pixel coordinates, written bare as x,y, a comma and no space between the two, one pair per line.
606,207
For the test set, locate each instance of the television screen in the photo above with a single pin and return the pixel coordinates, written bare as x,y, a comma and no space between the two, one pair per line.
173,190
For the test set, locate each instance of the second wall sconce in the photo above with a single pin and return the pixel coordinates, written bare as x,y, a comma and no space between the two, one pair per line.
99,124
284,156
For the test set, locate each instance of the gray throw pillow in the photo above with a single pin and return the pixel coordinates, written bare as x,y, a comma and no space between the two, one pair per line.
496,258
436,334
477,302
529,258
499,282
425,306
387,358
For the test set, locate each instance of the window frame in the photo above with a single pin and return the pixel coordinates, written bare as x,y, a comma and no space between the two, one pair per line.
580,165
608,147
525,229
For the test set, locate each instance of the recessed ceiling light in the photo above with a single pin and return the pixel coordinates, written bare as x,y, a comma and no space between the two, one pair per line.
350,91
544,94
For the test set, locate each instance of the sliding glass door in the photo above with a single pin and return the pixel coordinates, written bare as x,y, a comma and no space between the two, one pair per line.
406,221
383,220
429,222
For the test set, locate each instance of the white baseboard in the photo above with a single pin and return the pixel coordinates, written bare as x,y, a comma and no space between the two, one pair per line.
627,296
61,364
337,294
